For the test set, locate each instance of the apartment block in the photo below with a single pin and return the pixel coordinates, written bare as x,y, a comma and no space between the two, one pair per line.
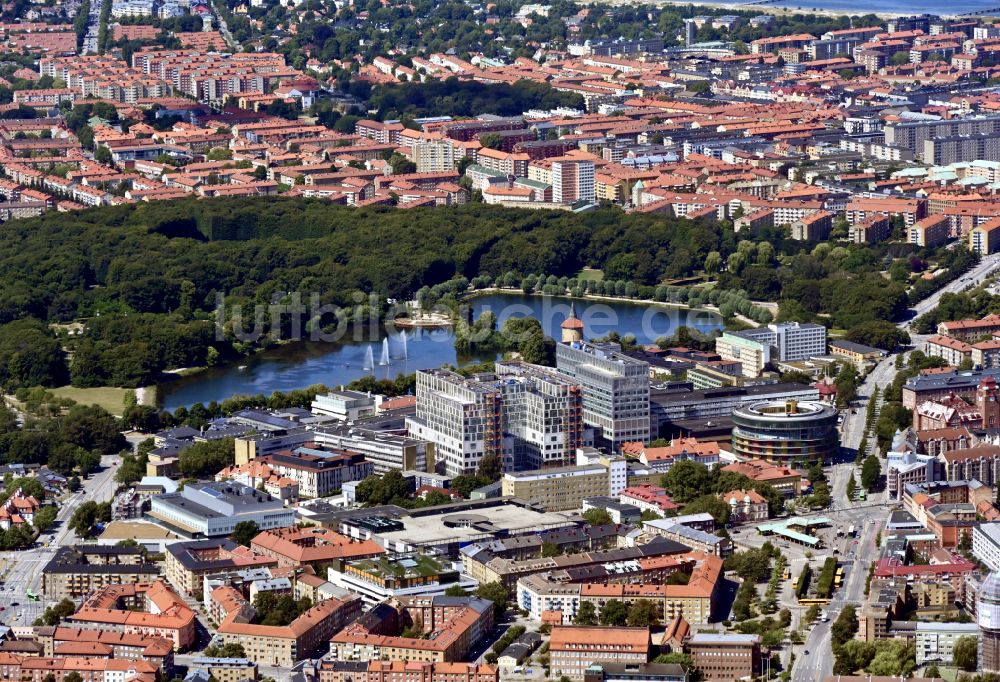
564,488
913,134
402,671
813,227
986,544
933,230
297,547
572,180
871,230
984,238
451,626
725,657
317,471
952,351
147,609
434,156
284,646
942,151
542,415
573,649
463,417
189,563
82,569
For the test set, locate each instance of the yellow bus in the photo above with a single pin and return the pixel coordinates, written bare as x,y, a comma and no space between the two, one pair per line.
838,578
810,602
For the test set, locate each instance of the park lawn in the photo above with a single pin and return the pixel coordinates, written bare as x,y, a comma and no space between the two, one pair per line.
110,398
590,274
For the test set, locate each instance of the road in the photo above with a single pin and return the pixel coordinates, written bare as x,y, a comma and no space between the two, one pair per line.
814,659
23,570
93,27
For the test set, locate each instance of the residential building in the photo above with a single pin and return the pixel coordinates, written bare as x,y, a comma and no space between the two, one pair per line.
936,641
189,563
660,459
676,529
860,354
970,330
402,671
542,416
933,230
311,546
316,471
226,669
648,497
527,415
746,506
984,238
952,351
725,657
572,180
148,609
986,544
563,488
785,480
463,417
78,570
573,649
812,227
872,230
451,627
284,646
434,156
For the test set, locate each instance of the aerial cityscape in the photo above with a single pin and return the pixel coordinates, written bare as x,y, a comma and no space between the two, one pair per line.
459,341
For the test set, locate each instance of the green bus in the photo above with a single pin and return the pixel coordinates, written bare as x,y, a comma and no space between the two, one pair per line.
32,596
862,495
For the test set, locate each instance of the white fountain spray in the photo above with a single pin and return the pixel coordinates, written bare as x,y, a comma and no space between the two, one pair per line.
384,359
369,358
402,337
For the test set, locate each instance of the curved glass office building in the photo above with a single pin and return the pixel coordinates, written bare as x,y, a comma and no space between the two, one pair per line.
786,432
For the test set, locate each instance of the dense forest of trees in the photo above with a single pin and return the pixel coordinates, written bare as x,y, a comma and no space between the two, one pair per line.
148,279
452,97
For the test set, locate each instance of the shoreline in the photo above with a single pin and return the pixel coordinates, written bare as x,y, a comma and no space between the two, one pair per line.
773,9
153,395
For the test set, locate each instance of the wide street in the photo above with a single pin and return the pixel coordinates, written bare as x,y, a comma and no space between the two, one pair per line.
23,570
815,659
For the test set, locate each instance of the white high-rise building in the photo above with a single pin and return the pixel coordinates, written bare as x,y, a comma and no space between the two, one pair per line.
615,389
434,156
529,416
572,180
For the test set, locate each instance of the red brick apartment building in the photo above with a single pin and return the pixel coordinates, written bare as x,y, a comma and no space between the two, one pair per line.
573,649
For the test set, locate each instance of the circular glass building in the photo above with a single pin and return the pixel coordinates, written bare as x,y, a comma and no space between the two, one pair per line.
786,432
